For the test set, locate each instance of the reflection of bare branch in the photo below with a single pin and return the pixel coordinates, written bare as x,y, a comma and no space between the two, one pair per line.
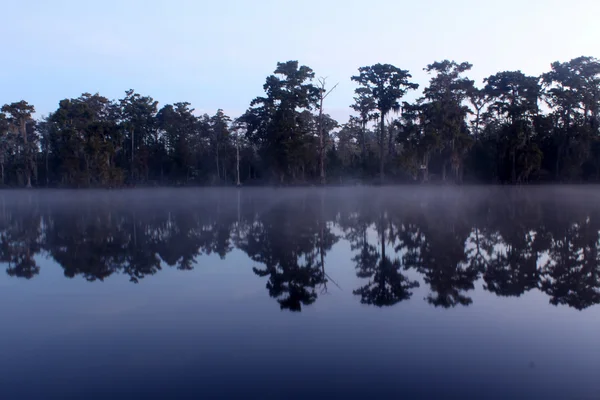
334,282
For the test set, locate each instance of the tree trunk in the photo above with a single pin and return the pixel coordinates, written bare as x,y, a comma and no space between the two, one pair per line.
557,164
426,169
513,175
364,145
324,94
390,144
237,161
444,172
27,154
477,118
217,159
132,156
28,174
321,145
47,169
381,148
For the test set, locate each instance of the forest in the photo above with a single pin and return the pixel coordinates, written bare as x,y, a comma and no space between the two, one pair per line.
513,129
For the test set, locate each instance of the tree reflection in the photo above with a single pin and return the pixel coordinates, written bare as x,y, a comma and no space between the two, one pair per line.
514,248
291,246
434,244
92,244
571,275
141,258
515,241
387,285
20,241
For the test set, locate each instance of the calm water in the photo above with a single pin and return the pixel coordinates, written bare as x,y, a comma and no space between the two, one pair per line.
471,293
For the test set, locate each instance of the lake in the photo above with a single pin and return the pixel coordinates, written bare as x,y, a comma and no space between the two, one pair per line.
407,292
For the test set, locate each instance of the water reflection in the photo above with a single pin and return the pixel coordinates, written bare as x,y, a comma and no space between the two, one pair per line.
288,242
509,240
387,285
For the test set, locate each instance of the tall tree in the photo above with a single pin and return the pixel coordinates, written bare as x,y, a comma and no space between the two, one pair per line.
572,90
5,144
443,103
179,129
219,134
86,138
19,116
386,85
275,122
515,105
138,120
323,93
365,106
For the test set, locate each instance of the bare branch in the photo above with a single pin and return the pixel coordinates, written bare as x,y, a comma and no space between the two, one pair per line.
330,90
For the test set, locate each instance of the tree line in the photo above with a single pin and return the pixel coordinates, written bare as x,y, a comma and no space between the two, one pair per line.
511,242
514,129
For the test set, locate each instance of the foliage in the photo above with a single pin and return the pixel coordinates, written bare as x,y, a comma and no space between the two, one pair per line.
514,129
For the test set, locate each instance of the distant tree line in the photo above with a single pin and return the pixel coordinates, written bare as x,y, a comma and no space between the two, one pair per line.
514,129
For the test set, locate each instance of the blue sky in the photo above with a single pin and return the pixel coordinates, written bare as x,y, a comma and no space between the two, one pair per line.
216,54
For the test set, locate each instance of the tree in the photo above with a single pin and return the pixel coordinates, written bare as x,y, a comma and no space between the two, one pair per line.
19,118
572,90
515,106
479,101
219,134
179,131
238,129
276,123
138,121
443,104
5,144
386,85
364,105
323,93
348,147
85,138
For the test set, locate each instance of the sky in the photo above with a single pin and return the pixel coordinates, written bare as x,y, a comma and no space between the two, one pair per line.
217,54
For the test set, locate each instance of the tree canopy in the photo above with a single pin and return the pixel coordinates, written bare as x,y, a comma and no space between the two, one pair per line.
511,128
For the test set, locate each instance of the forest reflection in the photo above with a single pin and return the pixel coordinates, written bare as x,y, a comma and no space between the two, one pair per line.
512,241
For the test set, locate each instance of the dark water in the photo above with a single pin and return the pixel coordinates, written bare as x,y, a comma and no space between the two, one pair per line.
470,293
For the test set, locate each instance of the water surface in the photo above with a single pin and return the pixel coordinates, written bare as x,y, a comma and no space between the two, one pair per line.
409,292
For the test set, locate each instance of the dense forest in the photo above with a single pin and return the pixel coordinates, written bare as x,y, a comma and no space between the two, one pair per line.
513,129
510,242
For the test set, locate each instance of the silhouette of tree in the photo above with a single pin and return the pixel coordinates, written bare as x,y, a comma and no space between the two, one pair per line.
571,275
383,85
387,285
512,267
20,241
87,242
290,240
435,246
141,258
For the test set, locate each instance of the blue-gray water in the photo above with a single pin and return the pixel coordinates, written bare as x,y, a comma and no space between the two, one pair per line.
417,293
